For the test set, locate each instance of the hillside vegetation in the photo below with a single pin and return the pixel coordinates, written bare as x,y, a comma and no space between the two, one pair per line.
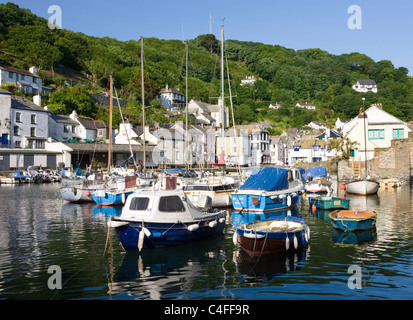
285,76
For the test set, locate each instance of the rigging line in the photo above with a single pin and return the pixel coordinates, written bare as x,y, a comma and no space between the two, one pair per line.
127,135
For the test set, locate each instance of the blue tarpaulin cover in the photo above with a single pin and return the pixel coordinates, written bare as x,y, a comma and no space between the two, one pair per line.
268,179
316,172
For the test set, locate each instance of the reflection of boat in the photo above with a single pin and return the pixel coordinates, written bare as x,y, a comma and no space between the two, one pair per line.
264,268
239,217
152,219
159,274
218,188
317,180
353,237
353,220
276,234
328,203
108,210
268,189
370,202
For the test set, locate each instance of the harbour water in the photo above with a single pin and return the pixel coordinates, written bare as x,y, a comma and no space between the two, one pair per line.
40,232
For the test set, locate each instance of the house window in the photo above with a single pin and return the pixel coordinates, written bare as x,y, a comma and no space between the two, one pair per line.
18,117
73,129
398,133
100,132
296,148
32,131
352,153
376,133
39,144
11,75
16,130
65,128
17,144
33,119
22,77
316,148
34,80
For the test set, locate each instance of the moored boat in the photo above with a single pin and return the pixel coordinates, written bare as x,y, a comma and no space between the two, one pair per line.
269,189
317,180
328,203
351,220
218,188
274,235
362,187
159,218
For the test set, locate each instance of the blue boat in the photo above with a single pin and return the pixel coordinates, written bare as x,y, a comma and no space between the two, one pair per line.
350,220
269,189
116,193
153,219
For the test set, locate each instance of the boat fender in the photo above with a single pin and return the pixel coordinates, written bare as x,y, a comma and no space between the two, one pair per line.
281,196
221,220
212,224
116,224
140,240
146,232
88,194
293,194
295,240
123,198
289,201
287,244
193,227
235,238
288,212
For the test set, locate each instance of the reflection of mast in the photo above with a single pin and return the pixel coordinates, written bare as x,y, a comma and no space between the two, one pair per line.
110,122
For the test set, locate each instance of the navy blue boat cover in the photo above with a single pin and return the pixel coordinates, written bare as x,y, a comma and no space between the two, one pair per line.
268,179
316,172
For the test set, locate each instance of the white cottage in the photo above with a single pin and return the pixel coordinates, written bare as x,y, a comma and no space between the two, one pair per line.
381,128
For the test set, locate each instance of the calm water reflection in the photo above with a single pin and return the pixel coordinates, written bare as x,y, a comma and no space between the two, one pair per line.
39,230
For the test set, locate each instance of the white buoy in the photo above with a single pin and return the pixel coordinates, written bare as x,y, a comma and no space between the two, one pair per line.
140,240
193,227
295,240
212,224
289,201
287,244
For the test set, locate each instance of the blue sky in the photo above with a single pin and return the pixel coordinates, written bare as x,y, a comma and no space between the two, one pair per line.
385,34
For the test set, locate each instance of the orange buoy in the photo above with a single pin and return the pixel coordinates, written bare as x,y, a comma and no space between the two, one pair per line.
343,187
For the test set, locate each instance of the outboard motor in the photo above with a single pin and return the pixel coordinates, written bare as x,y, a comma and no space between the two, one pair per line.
205,202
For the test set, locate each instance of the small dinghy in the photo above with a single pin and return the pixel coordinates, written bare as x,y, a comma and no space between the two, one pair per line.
275,235
328,203
350,220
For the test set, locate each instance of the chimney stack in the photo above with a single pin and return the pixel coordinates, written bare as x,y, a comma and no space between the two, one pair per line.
37,100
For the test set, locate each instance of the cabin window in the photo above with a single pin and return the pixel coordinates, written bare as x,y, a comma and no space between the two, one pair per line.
139,204
171,204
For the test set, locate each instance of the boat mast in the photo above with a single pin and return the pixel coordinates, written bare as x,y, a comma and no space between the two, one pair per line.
143,110
110,121
186,112
222,96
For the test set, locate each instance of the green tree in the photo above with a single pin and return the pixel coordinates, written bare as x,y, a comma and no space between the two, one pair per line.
72,98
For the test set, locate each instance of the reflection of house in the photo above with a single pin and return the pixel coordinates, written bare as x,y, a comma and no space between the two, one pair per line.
365,86
172,98
381,128
27,81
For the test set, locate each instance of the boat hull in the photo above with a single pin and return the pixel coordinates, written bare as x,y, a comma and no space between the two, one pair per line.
74,194
219,199
256,243
350,222
110,198
261,203
328,203
317,188
165,234
362,187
